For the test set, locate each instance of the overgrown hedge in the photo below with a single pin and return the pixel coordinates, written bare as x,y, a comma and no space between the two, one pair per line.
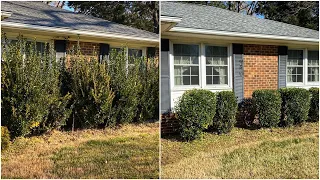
40,94
295,106
267,105
314,105
226,110
195,111
5,138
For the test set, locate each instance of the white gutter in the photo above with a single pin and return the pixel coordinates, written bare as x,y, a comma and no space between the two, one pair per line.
75,32
239,34
170,19
5,14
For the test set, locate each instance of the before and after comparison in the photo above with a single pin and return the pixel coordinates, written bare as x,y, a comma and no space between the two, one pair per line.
159,89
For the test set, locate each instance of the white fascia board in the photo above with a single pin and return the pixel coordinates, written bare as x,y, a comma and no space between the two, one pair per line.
239,34
170,19
77,32
5,14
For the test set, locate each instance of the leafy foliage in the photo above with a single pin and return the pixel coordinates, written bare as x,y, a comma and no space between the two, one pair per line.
314,104
246,113
195,111
30,88
90,87
139,14
295,105
226,110
267,105
5,138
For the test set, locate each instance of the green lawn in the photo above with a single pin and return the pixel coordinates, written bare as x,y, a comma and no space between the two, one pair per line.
278,153
129,152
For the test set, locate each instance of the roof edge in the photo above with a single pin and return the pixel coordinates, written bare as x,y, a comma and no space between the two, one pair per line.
75,32
240,34
170,19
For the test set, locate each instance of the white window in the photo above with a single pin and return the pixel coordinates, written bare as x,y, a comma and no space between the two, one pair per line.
313,66
295,66
186,64
216,65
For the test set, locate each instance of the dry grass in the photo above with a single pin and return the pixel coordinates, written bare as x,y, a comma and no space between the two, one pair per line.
86,154
277,153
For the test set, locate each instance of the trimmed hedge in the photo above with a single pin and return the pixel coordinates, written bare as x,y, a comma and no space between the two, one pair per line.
195,111
314,105
226,110
267,105
5,138
295,105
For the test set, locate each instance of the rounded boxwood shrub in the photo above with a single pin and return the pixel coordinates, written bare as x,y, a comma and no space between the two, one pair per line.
226,110
5,138
195,111
295,105
267,104
314,105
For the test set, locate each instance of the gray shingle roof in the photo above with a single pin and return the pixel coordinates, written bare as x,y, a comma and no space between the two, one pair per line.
41,14
212,18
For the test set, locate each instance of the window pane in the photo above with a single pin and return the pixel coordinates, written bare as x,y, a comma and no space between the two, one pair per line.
299,70
194,80
194,60
185,70
209,70
313,60
195,70
209,79
216,80
299,78
177,70
215,70
186,80
178,80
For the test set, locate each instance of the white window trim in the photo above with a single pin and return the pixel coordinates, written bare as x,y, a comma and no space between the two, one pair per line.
304,82
202,69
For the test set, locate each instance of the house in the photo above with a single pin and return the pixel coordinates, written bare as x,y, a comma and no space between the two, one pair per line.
37,20
216,49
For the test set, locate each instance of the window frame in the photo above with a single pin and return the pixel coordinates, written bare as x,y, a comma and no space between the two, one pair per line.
303,69
307,66
305,82
187,65
202,68
229,68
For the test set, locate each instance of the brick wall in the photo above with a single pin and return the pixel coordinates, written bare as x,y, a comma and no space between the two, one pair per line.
87,49
260,68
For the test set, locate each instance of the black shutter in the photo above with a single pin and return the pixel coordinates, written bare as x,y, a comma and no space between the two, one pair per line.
104,51
282,66
151,52
165,45
60,46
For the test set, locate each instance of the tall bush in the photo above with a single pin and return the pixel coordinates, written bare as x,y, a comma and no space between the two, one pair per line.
295,105
267,105
195,111
314,104
92,95
30,88
226,110
149,77
5,138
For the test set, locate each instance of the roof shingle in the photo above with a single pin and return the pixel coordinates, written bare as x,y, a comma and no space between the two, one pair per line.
213,18
41,14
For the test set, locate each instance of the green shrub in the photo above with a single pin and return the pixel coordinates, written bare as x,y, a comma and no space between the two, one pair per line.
30,87
314,105
226,110
5,138
92,95
195,111
149,95
125,82
267,105
295,105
